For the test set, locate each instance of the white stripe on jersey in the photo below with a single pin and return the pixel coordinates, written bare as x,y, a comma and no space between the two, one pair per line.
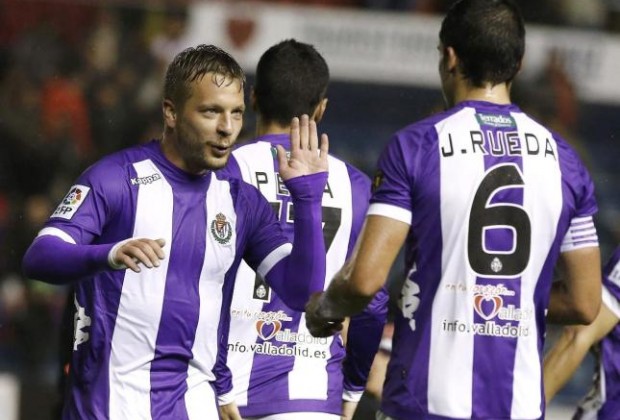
242,307
393,212
52,231
454,398
140,308
218,259
581,234
543,179
298,386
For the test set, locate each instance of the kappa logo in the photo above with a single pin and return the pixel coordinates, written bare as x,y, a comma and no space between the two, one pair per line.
80,322
221,229
267,329
146,180
72,201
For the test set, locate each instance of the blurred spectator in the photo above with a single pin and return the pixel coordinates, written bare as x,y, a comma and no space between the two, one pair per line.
65,118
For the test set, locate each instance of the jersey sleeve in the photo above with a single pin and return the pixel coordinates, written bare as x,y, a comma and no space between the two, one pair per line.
278,264
363,338
611,283
392,185
88,205
267,243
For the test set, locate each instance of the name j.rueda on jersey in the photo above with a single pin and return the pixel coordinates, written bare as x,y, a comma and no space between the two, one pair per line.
72,202
496,143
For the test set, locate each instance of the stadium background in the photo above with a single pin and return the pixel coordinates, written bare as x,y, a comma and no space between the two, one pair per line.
79,79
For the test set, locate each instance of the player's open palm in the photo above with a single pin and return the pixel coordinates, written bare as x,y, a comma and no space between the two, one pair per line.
307,156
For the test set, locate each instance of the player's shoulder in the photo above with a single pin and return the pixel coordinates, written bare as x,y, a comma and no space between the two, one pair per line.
239,188
357,177
116,164
421,129
247,151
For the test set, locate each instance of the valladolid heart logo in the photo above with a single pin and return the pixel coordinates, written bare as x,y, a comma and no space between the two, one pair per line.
268,329
488,306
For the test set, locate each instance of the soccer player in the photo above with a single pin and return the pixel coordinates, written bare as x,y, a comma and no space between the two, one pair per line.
486,201
279,371
152,238
602,336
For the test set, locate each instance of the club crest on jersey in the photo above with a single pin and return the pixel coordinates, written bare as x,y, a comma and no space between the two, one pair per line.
72,201
221,229
262,291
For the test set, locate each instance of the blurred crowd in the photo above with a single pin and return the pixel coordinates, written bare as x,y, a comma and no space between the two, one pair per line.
65,103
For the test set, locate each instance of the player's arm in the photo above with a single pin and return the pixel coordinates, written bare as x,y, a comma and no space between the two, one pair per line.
355,285
305,175
64,251
230,412
363,336
576,298
57,260
568,352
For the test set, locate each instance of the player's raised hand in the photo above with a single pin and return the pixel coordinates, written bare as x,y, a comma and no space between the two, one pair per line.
130,253
307,156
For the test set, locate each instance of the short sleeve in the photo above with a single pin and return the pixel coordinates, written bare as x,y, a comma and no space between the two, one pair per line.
266,241
88,205
392,186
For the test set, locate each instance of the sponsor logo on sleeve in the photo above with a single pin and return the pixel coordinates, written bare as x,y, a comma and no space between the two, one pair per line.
72,202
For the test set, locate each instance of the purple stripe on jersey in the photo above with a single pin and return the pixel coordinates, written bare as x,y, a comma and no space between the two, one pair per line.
360,197
263,365
497,300
406,386
89,395
181,304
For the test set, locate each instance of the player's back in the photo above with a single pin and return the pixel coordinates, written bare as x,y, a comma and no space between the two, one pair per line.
277,366
489,194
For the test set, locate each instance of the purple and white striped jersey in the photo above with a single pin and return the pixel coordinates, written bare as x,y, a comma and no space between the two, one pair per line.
603,401
277,366
145,343
489,195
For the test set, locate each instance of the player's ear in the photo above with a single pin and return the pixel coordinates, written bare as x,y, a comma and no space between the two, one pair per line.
170,114
451,59
317,115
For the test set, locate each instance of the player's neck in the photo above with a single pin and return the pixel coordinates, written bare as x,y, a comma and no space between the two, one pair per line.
265,128
497,94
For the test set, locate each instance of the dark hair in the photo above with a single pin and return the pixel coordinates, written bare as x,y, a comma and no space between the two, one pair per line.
488,37
193,63
291,80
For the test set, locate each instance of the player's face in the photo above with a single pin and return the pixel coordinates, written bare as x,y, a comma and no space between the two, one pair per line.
208,124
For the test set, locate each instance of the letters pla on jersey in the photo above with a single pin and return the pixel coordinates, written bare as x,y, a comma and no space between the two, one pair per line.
72,201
